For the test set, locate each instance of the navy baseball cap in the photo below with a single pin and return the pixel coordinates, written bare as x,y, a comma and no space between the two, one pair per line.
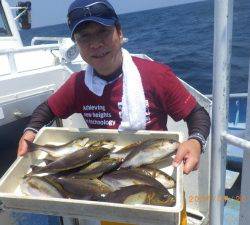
82,11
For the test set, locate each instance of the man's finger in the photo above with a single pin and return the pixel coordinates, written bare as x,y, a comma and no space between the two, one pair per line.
190,165
179,157
196,167
22,149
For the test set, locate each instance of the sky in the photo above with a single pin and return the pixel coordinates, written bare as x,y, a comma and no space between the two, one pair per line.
51,12
125,6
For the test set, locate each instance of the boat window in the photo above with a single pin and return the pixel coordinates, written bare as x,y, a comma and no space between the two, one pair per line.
4,26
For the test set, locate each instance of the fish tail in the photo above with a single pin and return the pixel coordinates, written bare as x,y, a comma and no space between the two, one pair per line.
31,146
34,147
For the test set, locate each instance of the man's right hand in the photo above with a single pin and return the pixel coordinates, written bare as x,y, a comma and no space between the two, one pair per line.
23,148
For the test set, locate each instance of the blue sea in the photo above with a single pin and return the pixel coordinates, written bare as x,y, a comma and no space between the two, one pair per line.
181,37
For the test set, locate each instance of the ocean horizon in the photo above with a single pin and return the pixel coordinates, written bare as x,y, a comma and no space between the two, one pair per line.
181,37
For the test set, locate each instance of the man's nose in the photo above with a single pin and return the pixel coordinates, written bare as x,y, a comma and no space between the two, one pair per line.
96,41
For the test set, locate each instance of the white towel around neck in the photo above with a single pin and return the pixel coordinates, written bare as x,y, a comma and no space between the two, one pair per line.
133,98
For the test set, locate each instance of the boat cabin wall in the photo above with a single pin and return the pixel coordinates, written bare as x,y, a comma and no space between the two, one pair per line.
9,34
21,94
26,59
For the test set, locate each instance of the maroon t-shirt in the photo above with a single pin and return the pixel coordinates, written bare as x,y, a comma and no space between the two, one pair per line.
164,93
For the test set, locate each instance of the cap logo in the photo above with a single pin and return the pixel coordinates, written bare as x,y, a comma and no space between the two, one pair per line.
87,11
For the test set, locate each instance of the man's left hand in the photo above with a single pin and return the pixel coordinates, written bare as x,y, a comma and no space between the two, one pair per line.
189,152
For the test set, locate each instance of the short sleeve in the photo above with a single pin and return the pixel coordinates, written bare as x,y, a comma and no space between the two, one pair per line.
177,100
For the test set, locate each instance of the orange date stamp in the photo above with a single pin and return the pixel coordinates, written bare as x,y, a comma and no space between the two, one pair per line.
220,198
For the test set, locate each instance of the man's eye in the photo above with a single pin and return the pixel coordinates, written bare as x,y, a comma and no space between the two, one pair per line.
84,37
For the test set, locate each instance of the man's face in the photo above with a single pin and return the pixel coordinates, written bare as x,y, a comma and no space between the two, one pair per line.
100,47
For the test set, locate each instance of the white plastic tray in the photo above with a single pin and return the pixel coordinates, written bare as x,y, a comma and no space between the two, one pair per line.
137,214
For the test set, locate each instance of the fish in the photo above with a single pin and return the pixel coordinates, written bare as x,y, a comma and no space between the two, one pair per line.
150,151
123,152
140,194
40,187
36,167
84,189
97,169
127,177
98,143
73,160
35,170
58,151
166,180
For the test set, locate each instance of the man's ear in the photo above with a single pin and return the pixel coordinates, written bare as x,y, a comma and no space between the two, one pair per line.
121,37
119,31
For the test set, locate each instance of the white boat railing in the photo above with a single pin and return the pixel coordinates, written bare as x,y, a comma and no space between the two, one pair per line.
232,95
51,39
29,48
245,183
57,39
11,52
223,15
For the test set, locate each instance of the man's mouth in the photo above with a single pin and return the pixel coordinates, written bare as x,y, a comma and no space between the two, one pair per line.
101,55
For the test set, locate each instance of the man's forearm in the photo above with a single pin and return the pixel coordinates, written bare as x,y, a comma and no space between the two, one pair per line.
198,121
41,116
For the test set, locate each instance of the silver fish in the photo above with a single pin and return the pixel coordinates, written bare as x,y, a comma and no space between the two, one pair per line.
127,177
73,160
149,152
97,169
61,150
165,179
98,143
39,187
140,194
87,189
123,152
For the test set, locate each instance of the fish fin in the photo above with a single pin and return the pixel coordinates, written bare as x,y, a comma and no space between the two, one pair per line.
35,169
49,158
48,161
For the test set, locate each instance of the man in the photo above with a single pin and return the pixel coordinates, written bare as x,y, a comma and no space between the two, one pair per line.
118,91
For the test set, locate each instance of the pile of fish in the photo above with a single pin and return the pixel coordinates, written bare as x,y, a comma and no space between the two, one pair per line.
97,171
